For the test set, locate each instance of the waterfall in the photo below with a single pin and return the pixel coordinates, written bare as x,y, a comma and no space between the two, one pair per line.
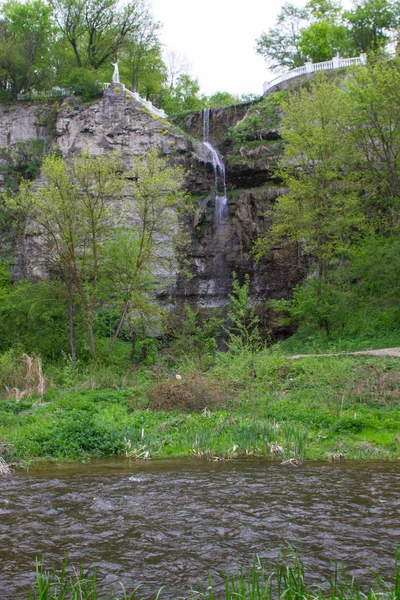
218,166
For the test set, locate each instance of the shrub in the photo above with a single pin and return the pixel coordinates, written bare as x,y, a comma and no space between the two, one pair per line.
84,83
191,394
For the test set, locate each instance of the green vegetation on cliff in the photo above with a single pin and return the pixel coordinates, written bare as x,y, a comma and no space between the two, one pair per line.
124,378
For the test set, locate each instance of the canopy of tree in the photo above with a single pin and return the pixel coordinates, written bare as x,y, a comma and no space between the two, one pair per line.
71,43
322,28
342,167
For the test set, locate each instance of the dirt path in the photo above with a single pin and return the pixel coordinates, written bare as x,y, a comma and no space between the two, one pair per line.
384,352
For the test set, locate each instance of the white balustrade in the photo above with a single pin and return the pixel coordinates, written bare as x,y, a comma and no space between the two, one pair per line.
158,112
336,63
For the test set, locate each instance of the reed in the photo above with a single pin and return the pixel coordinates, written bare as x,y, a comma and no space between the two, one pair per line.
286,580
70,584
5,468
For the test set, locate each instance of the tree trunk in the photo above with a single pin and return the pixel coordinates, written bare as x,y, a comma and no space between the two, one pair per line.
92,343
133,347
72,329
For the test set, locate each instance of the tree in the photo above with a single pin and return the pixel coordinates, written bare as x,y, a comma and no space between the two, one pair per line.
141,59
25,34
220,99
136,256
184,96
108,247
370,23
75,209
281,45
322,210
177,65
96,29
375,131
322,40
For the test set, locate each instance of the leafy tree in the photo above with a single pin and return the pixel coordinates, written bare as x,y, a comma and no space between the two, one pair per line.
281,45
322,40
96,29
137,255
370,22
184,96
105,252
220,99
75,210
141,59
25,40
375,131
321,211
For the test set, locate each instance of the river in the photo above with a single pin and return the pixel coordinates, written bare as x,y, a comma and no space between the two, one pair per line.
173,522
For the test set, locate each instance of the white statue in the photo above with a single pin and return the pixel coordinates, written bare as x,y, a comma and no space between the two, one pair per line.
115,77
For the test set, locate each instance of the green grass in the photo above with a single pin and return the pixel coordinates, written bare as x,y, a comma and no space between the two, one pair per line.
262,404
284,580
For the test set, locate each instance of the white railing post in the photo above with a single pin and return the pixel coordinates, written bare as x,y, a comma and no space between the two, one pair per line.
309,66
336,61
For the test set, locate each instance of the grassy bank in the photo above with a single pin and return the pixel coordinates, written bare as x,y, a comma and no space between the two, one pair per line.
286,579
255,404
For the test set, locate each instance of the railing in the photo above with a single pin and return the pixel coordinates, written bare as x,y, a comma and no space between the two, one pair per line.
310,67
55,92
158,112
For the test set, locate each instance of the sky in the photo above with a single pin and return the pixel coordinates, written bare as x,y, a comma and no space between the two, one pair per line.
218,39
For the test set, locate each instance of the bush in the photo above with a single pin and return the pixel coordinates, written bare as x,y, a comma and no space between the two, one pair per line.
84,83
191,394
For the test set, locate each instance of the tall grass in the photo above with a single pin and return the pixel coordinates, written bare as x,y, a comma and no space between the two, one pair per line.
70,584
286,580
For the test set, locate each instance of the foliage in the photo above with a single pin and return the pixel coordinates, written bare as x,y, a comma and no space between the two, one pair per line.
243,332
141,63
88,244
84,82
280,45
311,407
220,99
22,161
25,31
371,22
97,30
321,210
323,40
259,120
33,318
287,579
375,134
360,297
194,333
75,584
320,29
184,96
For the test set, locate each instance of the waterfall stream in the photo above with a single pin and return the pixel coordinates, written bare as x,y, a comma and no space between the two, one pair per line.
218,166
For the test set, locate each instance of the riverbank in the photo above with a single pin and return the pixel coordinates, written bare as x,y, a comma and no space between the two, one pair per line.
286,579
265,405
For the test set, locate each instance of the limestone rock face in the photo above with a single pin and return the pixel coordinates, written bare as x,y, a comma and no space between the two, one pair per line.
220,245
219,250
116,122
223,246
221,119
18,123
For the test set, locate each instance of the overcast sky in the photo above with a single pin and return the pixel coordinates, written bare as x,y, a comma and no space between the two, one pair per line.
218,39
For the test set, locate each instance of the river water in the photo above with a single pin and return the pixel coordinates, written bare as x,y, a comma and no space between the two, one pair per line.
173,522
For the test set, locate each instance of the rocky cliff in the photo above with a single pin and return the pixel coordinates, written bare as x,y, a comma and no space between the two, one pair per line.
118,122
